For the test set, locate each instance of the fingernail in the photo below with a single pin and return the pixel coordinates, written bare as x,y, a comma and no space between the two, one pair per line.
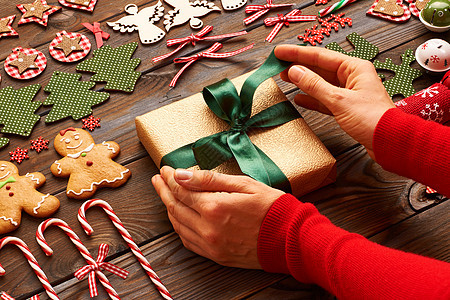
296,73
182,174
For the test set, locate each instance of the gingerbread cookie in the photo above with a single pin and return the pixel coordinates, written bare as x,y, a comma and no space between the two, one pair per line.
19,193
88,165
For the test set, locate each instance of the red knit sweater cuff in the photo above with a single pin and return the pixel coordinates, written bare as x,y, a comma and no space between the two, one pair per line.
273,232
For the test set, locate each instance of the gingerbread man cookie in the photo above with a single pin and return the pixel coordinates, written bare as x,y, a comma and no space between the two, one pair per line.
19,193
88,165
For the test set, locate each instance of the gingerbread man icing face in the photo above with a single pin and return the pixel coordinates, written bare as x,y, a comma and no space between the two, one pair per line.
89,166
72,141
19,193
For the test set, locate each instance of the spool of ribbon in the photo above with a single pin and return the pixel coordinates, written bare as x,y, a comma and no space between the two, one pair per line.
99,263
235,109
210,53
260,10
280,20
99,34
194,38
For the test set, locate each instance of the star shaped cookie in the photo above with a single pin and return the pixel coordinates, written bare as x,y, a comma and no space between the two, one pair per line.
24,62
80,2
38,12
5,26
68,45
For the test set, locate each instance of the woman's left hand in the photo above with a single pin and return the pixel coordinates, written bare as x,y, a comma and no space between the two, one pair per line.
217,216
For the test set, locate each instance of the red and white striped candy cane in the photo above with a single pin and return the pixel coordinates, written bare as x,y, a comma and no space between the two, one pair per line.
79,244
5,296
33,263
126,236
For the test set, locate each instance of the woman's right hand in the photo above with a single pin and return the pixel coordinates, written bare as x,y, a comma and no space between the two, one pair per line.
336,84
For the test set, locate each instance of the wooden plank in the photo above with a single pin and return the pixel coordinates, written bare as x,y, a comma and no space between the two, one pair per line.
424,234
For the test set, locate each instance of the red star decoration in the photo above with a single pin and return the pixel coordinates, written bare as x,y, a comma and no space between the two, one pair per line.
19,155
44,20
6,28
91,123
39,144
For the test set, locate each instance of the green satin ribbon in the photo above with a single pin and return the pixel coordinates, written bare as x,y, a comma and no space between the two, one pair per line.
223,99
10,179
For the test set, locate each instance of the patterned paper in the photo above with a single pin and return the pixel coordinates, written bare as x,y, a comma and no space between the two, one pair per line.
71,97
404,75
363,49
6,28
87,5
58,54
114,66
44,20
40,63
17,109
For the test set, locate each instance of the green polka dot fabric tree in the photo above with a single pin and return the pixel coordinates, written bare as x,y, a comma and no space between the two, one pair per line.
3,142
114,66
363,49
401,83
17,109
71,97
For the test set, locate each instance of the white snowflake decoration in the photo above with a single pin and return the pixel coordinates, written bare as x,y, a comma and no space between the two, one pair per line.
432,113
401,103
428,92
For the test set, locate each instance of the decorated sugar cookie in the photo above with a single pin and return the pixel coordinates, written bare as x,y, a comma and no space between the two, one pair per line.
89,166
19,193
184,11
25,63
142,21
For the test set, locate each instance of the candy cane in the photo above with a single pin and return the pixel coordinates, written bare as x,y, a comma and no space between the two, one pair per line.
335,7
126,236
33,263
5,296
77,242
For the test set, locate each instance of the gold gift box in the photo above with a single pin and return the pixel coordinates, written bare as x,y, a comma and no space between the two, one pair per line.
293,147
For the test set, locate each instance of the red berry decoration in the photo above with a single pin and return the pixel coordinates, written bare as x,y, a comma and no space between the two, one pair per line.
19,155
39,144
91,123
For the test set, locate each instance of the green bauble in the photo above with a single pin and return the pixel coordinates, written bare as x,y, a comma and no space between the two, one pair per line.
437,13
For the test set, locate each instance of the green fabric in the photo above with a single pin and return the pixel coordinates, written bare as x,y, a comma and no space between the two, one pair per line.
10,179
114,66
363,49
3,142
71,97
17,109
223,99
401,83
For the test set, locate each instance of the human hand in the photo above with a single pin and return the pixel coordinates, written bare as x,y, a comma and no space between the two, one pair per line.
336,84
217,216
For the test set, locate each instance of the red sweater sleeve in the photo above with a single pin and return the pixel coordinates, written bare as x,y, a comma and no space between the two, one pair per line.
412,147
296,239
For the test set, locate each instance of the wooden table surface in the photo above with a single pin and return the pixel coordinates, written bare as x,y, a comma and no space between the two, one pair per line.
365,199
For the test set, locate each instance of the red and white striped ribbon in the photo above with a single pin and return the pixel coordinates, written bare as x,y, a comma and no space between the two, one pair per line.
5,296
126,236
260,10
100,263
430,190
99,34
280,20
77,242
193,38
33,263
210,53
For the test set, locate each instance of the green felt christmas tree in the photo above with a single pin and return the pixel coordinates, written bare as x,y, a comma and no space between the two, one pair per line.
114,66
17,109
401,83
363,49
71,97
3,142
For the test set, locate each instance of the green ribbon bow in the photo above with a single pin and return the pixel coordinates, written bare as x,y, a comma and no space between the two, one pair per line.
223,99
10,179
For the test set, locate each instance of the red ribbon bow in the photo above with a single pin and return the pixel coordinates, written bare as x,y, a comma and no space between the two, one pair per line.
280,20
99,34
260,10
210,53
93,268
193,38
